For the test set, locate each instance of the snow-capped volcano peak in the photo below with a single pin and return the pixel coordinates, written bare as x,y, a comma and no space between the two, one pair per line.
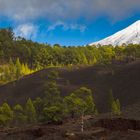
129,35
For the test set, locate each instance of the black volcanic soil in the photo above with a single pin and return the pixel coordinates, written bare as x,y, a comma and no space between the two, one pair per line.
102,129
124,80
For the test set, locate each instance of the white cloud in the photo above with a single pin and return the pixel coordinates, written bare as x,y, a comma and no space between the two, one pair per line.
28,31
67,9
66,26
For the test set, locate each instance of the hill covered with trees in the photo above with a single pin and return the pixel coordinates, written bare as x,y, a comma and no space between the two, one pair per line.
42,55
19,57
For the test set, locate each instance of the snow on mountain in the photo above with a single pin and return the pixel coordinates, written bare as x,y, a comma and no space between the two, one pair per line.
129,35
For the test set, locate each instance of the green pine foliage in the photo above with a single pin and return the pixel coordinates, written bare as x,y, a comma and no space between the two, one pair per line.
18,69
52,113
54,108
86,95
35,56
118,107
39,56
39,105
80,102
30,111
70,105
51,93
6,114
13,71
114,104
19,115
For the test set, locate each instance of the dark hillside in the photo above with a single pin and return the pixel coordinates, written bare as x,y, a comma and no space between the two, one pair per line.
123,80
126,83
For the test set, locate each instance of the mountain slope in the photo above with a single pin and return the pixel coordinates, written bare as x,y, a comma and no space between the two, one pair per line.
124,82
129,35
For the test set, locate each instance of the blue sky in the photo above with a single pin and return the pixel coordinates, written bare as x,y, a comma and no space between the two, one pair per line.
68,22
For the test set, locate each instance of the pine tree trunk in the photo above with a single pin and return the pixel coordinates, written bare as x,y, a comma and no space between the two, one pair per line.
82,122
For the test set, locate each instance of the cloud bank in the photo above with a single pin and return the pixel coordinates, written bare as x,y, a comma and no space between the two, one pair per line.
66,9
62,13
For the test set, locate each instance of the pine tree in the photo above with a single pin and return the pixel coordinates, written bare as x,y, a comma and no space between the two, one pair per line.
6,114
7,74
18,69
80,102
52,113
52,93
12,69
114,104
19,115
94,60
86,95
23,70
69,104
30,111
39,105
118,107
27,69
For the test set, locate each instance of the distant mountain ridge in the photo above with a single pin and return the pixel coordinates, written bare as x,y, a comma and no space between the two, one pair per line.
129,35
